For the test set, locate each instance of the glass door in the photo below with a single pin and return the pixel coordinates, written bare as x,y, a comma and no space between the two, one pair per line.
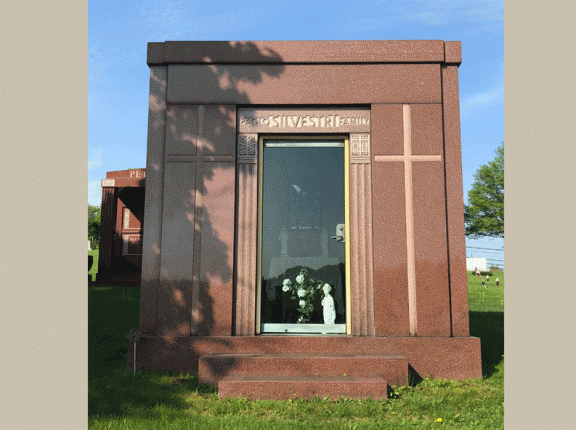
302,254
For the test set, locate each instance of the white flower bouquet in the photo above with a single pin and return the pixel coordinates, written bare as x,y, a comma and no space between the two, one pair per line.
304,292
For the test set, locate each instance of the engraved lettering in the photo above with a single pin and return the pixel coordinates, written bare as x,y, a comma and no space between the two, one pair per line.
293,120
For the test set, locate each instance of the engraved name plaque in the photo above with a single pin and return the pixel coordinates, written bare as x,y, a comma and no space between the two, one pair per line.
303,120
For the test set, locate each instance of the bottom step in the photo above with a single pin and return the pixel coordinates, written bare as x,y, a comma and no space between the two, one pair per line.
292,387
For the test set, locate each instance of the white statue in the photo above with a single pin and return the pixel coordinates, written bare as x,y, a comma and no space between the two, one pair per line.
328,305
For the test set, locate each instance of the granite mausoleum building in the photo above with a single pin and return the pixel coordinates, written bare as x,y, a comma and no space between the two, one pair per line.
339,157
122,222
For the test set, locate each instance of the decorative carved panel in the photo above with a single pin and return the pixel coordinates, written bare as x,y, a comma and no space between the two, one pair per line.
247,148
359,148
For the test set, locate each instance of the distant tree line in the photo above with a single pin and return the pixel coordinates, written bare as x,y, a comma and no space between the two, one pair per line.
94,215
484,213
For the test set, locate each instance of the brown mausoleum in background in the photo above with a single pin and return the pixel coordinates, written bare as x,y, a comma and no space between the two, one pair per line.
391,110
121,226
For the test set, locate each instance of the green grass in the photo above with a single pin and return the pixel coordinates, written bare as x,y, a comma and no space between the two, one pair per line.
94,253
486,306
490,299
159,400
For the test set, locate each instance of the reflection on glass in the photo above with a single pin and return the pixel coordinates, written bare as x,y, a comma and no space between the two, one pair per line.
302,203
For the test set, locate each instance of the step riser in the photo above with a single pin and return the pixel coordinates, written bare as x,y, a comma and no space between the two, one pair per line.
212,369
455,358
282,390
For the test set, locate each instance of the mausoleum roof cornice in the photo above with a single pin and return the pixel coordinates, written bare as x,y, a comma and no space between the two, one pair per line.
304,52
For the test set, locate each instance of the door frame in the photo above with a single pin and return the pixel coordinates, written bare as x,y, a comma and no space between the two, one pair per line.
314,137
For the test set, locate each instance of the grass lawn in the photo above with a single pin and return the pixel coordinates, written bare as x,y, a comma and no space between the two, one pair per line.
94,253
152,400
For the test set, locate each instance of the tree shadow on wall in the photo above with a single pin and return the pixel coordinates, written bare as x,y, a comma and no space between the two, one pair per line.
200,204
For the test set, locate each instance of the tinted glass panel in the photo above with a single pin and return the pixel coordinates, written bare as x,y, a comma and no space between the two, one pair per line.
302,205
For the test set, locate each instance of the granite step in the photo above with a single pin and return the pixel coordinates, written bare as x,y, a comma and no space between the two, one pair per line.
214,367
275,387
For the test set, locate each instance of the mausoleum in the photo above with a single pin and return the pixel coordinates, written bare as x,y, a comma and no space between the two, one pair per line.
341,158
122,221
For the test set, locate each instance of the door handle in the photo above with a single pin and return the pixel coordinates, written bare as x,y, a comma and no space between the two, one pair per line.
340,233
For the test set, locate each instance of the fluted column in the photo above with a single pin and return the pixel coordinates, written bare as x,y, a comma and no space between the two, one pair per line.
246,235
361,279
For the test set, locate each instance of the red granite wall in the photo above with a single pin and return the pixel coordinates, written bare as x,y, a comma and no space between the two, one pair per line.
389,223
430,241
190,245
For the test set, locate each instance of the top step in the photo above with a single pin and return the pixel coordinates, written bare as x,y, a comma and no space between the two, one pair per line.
213,367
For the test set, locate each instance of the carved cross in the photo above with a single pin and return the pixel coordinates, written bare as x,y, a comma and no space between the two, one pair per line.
408,158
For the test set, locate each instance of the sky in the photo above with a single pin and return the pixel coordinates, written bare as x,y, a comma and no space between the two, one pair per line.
118,76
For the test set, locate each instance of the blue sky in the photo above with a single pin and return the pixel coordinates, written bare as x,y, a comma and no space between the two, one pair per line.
118,77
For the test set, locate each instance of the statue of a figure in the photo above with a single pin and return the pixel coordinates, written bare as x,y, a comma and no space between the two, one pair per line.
328,305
